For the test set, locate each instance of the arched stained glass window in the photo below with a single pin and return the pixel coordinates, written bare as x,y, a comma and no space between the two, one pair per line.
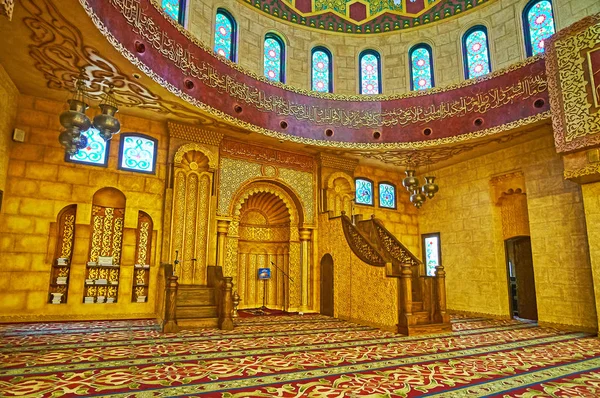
138,153
321,70
175,9
95,152
421,67
364,191
370,72
538,21
225,35
274,58
476,52
387,195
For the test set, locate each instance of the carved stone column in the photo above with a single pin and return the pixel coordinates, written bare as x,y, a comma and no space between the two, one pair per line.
222,228
305,235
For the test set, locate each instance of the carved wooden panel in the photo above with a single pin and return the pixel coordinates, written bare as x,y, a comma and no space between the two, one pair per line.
59,277
143,256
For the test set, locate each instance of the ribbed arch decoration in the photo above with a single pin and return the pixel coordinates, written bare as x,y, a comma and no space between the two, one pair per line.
370,72
321,77
476,52
274,58
421,67
538,23
175,9
225,35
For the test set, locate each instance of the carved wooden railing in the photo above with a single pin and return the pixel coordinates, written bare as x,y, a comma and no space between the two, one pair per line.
171,286
375,245
223,295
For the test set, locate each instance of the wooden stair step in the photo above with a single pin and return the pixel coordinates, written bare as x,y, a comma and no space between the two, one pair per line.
196,311
417,306
422,317
198,323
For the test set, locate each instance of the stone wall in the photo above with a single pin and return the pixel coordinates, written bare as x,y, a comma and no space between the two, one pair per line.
40,183
465,214
8,113
591,200
403,221
501,17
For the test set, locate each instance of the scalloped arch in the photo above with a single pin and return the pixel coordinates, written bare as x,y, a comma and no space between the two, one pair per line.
206,151
245,192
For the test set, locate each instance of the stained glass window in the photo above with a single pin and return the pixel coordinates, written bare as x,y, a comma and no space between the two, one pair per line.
137,153
421,67
175,9
364,191
225,34
431,252
539,25
274,58
476,52
96,151
387,195
370,72
321,75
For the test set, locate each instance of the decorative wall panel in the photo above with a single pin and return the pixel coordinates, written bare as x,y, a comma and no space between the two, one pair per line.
191,211
65,240
143,257
302,183
234,172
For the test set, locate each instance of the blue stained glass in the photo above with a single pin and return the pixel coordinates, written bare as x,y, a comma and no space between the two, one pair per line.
321,71
94,152
364,192
387,196
421,69
138,153
432,254
540,24
369,74
477,54
171,7
273,59
224,36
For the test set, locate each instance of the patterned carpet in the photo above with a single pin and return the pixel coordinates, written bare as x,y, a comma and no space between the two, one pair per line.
296,356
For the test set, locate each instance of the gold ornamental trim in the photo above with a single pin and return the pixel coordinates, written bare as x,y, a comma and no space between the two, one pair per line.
133,9
337,162
210,155
194,133
590,169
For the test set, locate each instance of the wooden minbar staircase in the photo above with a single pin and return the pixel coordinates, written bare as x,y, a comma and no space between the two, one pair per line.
422,298
198,306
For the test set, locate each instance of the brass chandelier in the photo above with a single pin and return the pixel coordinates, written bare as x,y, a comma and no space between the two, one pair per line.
418,193
76,122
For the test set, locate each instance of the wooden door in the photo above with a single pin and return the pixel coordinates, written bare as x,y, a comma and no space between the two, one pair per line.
519,253
327,285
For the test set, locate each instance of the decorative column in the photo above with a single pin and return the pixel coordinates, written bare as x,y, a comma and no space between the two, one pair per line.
222,228
170,321
305,235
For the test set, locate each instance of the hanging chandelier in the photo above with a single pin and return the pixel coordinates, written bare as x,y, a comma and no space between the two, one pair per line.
418,193
76,122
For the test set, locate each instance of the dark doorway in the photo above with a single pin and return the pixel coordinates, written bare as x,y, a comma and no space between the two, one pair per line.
327,285
521,279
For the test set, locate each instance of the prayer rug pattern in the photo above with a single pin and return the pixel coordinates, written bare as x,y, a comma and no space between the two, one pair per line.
296,356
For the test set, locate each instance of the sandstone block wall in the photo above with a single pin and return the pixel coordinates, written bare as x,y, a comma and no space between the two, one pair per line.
8,113
501,17
465,214
40,183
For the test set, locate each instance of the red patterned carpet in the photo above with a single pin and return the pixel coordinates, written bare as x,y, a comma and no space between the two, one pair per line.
296,356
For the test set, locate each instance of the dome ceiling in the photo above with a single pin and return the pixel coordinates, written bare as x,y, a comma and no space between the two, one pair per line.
363,16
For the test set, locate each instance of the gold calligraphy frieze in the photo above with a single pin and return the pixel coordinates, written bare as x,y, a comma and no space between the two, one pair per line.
370,116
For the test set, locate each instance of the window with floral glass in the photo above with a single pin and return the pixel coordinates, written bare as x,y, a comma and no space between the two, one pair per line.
274,58
364,191
421,67
321,70
432,253
370,72
225,35
138,153
175,9
538,21
476,52
387,195
95,152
